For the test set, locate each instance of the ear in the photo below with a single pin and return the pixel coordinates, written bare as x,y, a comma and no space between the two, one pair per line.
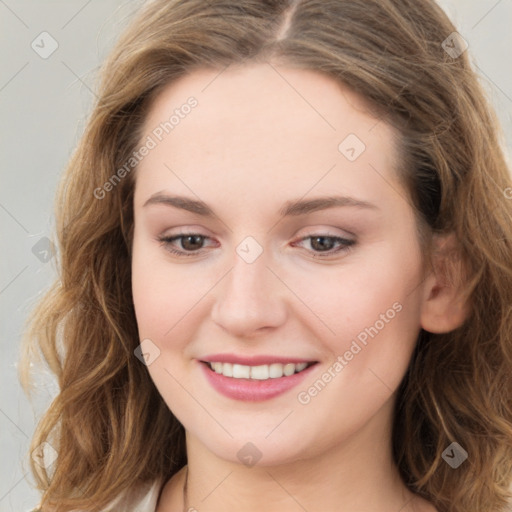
444,308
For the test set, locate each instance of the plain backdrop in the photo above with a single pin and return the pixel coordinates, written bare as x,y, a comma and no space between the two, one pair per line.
44,101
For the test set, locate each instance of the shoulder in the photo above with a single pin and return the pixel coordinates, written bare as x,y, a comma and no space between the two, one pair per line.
171,497
141,499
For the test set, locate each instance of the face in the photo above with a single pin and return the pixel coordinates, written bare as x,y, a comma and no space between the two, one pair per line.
264,275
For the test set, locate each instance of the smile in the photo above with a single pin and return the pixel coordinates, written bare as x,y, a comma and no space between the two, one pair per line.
264,379
260,372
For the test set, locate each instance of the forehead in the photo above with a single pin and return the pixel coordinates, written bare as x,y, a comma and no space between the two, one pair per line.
253,96
262,126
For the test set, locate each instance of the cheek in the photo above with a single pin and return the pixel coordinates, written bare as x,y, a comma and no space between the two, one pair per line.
376,320
374,289
166,304
163,293
151,296
372,309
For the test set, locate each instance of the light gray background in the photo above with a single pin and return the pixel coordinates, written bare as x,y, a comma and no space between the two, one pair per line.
43,105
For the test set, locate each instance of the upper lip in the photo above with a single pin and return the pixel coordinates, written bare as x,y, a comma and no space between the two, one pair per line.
255,360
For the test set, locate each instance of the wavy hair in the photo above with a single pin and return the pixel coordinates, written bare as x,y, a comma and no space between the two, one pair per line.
108,423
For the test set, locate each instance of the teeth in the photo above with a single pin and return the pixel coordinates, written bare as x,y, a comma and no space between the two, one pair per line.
240,371
289,369
227,369
275,370
261,372
301,366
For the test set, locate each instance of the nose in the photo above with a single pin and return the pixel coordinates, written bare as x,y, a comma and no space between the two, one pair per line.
250,299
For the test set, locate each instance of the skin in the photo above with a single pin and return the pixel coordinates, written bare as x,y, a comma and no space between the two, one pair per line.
254,142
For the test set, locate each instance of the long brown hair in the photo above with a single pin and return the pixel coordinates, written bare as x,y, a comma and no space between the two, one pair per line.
109,425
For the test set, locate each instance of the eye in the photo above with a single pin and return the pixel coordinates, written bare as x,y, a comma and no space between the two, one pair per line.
190,242
321,244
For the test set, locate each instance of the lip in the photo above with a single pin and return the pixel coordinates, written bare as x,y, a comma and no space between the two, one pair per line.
252,390
253,360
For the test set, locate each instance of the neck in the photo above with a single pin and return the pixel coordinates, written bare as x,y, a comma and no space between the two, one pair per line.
358,474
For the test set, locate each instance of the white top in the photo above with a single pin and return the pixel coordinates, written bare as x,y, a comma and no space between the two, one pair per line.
141,499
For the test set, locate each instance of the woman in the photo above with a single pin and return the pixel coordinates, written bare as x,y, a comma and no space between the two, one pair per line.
286,270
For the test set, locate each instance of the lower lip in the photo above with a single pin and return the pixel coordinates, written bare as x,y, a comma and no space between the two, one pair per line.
253,390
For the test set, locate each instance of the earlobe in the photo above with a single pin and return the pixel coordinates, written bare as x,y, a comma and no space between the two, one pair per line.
444,307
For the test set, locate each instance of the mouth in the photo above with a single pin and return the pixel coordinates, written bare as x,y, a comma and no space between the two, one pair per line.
263,379
259,372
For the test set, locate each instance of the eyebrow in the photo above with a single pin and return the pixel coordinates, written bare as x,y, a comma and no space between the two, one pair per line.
291,208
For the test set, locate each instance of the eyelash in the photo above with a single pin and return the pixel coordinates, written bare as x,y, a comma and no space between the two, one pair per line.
345,247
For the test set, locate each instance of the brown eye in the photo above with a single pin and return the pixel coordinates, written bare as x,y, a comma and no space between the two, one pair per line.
323,245
191,244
